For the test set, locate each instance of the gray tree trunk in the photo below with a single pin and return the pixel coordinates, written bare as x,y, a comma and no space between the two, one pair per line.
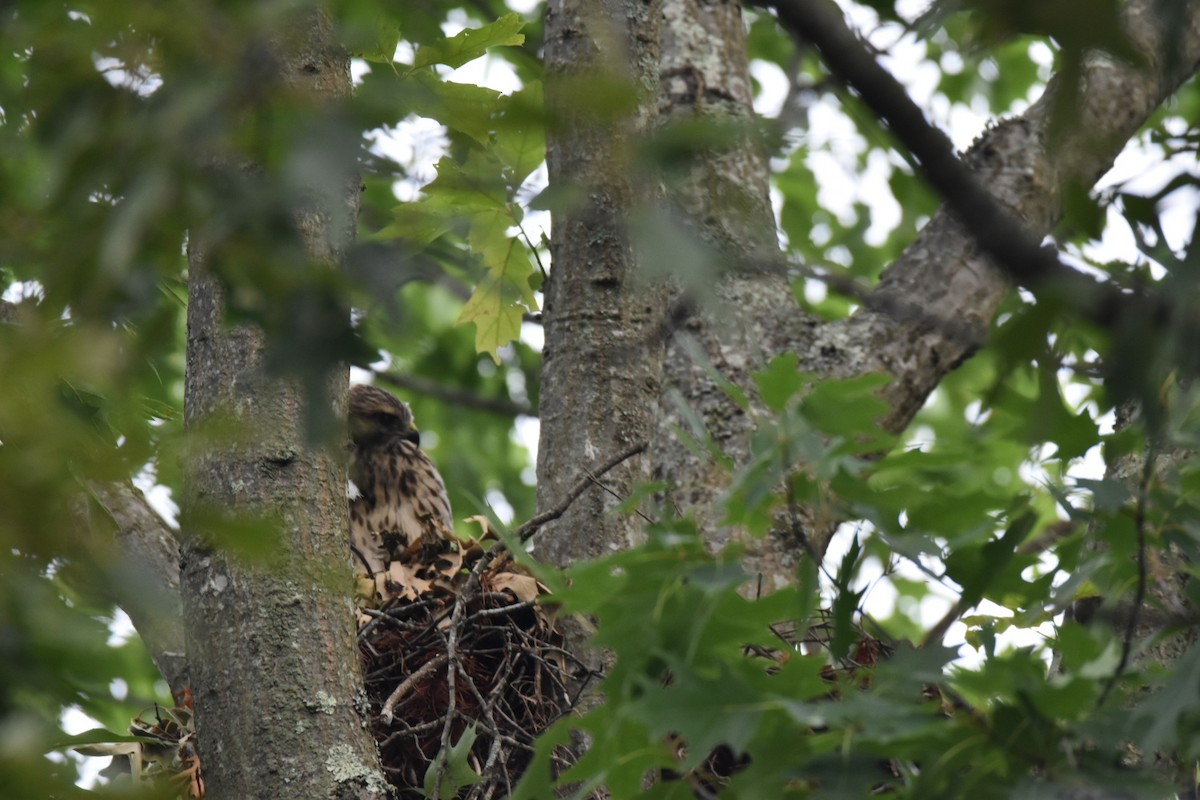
603,356
270,639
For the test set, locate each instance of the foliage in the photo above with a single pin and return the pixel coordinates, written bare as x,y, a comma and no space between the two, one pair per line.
123,131
819,715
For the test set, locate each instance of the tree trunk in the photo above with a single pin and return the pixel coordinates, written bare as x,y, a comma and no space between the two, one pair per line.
602,359
270,635
750,315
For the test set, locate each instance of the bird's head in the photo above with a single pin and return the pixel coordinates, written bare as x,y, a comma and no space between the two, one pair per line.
375,415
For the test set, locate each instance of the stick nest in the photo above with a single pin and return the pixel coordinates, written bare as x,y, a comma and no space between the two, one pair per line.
463,669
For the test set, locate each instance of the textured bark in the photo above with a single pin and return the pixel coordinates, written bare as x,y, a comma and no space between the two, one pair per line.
602,357
750,314
270,641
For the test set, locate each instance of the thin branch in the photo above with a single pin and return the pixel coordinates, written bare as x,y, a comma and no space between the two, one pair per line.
537,257
468,593
408,683
1139,596
613,493
893,305
458,397
144,581
531,527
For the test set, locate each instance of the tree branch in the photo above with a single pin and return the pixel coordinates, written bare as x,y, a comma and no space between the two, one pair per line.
591,476
458,397
145,580
1025,174
1016,248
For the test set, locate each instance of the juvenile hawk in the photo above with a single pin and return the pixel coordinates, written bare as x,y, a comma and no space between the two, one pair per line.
397,497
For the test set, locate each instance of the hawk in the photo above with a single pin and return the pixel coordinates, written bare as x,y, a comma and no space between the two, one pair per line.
397,497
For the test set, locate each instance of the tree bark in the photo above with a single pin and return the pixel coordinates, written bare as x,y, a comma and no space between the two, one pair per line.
751,314
933,306
930,312
270,640
602,359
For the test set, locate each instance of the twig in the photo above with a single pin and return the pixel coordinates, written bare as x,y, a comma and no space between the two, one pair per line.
531,527
500,611
401,690
443,756
601,484
394,615
1139,596
488,718
898,308
458,397
537,256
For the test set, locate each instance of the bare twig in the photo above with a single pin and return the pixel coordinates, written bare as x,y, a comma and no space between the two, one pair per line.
590,476
443,756
458,397
537,256
1139,596
408,683
896,307
613,493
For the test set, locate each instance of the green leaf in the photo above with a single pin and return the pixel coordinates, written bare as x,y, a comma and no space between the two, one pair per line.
780,381
497,305
455,767
472,43
521,133
850,407
463,107
977,569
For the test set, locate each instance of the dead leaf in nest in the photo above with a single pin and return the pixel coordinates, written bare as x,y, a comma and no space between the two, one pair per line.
449,564
402,580
522,587
483,523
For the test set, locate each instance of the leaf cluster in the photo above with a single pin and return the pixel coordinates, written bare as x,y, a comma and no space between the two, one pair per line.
687,629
